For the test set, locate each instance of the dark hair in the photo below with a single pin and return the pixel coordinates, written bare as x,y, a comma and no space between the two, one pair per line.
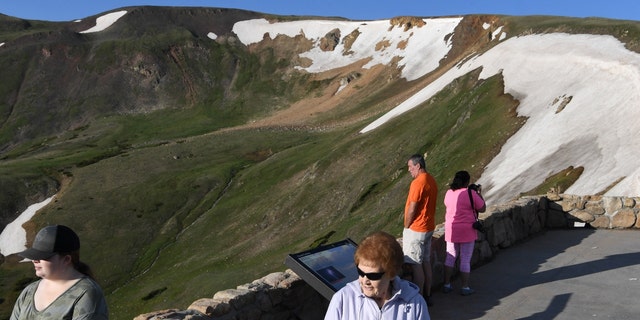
417,158
77,264
461,180
382,248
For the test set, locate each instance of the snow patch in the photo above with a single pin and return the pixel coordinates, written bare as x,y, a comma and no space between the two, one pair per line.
496,32
105,21
13,238
342,86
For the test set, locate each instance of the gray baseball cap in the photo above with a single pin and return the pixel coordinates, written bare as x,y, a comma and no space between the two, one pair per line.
51,240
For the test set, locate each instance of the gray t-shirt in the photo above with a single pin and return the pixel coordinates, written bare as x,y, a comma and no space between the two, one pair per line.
83,301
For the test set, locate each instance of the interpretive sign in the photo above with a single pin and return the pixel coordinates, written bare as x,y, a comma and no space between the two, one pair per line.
326,268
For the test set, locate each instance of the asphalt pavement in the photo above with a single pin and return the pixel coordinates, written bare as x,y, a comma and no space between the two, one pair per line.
579,273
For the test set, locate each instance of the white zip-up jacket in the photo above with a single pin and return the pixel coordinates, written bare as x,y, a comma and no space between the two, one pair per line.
406,303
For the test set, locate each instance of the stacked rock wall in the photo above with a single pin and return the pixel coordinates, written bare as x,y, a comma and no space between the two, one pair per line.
285,296
602,212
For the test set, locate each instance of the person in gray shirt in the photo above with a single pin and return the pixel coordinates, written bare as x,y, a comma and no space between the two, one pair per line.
66,289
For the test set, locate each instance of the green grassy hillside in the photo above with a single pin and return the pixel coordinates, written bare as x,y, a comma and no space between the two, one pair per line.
166,223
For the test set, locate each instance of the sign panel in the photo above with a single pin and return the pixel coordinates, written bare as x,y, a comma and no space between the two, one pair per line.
326,268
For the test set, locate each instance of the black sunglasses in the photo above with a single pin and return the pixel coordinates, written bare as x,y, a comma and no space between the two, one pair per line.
370,275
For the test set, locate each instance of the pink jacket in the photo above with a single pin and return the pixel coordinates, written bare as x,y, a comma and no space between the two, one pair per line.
459,216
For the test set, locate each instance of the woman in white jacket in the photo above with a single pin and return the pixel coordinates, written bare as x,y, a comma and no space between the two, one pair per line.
378,293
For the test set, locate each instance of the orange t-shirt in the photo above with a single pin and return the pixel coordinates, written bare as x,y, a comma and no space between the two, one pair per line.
424,192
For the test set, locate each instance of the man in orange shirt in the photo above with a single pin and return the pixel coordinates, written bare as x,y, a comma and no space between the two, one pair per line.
419,224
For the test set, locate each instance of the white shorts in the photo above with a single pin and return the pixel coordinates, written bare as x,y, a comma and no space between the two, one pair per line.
416,246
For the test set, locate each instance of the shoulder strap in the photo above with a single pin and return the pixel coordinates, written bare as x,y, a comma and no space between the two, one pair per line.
473,206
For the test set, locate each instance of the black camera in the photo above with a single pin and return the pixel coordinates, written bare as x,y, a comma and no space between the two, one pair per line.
475,187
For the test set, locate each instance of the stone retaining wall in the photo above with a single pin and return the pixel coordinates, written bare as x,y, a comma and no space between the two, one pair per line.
285,296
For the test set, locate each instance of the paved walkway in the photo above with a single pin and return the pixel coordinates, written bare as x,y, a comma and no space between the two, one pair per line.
560,274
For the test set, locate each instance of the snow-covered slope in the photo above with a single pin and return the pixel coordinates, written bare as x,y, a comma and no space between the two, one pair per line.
420,49
598,77
596,129
105,21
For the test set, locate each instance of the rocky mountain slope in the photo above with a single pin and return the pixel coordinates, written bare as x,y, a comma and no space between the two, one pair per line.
193,148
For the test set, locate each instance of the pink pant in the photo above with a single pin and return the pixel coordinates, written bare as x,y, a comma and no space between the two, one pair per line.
464,250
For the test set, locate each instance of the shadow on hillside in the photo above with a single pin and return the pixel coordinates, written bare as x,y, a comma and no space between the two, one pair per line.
548,260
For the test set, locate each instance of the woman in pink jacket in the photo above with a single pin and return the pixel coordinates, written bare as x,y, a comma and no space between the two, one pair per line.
458,231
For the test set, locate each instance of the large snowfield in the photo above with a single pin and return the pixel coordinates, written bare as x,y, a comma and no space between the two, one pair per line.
598,129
